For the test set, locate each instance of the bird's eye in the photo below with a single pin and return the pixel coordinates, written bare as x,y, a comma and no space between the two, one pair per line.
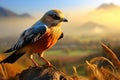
54,16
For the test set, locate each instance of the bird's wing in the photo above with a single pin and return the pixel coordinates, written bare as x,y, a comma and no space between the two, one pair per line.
61,36
30,35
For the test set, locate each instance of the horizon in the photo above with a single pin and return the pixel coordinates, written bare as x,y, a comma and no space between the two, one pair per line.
35,8
77,15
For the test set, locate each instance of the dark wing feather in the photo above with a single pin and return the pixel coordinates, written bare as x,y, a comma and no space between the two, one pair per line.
61,36
30,35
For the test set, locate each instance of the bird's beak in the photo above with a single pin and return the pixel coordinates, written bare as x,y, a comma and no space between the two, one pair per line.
64,20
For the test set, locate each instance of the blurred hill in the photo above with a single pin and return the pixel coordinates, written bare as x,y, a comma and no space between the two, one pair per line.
108,6
6,13
105,14
12,24
102,20
92,28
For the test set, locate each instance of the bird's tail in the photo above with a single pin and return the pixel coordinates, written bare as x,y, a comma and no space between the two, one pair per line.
9,50
12,58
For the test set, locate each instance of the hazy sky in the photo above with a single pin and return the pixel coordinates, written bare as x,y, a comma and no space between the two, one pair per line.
36,7
73,10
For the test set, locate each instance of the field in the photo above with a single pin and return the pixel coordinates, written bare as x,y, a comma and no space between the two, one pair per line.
74,63
85,59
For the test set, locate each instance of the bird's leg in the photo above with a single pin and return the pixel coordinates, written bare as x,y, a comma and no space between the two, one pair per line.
31,58
47,62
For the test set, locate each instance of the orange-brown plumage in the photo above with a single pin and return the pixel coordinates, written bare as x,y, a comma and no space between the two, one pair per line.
46,41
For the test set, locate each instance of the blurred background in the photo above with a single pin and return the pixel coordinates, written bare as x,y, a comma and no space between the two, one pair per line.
90,22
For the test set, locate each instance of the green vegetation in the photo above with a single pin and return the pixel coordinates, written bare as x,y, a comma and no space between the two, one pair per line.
68,52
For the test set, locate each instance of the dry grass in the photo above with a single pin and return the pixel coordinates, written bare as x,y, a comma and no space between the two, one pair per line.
102,72
105,73
95,69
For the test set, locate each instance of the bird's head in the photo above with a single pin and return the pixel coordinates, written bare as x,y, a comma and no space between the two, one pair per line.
53,18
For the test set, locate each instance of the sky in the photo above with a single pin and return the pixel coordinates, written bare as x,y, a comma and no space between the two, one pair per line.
74,10
36,7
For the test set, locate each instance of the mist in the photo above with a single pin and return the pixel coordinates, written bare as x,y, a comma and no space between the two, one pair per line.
78,24
14,26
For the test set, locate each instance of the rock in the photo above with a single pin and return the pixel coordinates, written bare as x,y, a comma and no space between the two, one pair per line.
42,73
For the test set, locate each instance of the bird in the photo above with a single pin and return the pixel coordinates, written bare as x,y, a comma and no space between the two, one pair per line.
38,38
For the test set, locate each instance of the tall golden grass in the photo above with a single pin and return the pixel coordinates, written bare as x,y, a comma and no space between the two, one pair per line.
105,73
95,69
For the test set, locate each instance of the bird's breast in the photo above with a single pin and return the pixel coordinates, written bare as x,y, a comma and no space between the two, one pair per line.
46,41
